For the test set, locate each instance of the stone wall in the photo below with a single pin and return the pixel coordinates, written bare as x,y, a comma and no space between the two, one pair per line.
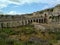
44,16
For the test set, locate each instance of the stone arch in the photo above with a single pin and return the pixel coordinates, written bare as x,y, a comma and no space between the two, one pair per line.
45,15
28,21
41,20
36,20
45,20
31,20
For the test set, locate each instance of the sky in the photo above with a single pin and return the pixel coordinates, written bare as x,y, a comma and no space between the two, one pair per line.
25,6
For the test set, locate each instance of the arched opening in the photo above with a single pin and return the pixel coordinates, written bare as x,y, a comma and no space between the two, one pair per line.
45,15
31,21
36,20
45,20
39,20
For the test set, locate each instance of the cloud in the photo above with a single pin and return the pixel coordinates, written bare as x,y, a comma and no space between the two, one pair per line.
21,2
2,4
5,3
1,12
35,1
14,12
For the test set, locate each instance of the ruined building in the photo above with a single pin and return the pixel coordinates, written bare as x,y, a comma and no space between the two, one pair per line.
51,15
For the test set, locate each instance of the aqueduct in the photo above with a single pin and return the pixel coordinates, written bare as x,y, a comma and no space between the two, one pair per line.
16,23
38,20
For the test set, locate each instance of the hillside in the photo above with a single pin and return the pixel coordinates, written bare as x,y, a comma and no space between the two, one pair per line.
29,35
33,33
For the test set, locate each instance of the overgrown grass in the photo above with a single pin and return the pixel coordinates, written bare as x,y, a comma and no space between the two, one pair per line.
27,31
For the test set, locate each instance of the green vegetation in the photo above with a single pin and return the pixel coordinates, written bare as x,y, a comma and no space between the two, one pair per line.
27,35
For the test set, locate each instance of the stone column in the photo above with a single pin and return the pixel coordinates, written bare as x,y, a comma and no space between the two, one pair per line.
43,20
20,22
35,20
24,22
38,20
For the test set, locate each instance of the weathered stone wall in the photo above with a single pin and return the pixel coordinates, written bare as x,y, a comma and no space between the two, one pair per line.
44,16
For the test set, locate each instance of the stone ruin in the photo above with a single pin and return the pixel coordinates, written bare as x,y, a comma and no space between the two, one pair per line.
51,15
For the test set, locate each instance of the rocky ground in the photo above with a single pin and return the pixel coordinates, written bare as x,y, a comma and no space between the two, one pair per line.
33,34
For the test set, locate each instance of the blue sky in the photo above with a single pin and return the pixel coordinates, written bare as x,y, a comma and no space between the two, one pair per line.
25,6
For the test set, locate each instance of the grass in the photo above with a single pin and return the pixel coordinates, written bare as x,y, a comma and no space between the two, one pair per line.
23,35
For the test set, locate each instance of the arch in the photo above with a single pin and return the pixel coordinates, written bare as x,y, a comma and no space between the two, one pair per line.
45,15
36,20
45,20
39,20
31,21
26,22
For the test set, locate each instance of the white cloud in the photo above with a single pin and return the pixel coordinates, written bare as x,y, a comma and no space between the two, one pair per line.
35,1
20,2
4,3
1,12
14,12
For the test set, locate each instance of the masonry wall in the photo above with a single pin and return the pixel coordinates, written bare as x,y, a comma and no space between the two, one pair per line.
45,16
